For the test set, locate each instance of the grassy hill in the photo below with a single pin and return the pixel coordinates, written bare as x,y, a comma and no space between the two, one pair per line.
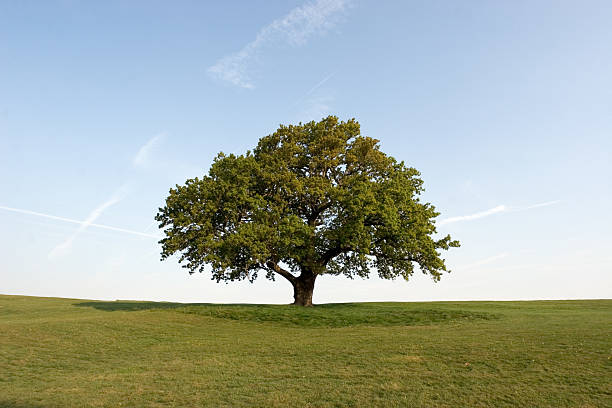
77,353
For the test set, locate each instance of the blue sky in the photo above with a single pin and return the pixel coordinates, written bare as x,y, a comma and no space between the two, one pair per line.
504,107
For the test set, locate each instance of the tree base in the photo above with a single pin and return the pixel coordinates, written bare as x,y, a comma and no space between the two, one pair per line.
304,304
302,290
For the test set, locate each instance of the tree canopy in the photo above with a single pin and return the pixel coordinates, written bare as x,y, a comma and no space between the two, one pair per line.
310,199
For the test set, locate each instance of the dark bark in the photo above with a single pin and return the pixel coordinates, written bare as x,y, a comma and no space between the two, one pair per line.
282,272
303,286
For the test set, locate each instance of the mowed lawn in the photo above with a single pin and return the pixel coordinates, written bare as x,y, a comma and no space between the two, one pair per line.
78,353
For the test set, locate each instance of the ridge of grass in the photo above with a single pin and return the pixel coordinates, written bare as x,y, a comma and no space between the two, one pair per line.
326,315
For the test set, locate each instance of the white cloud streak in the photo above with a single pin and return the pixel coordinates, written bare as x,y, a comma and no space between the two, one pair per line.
546,204
151,225
319,84
141,159
143,156
495,210
484,261
73,221
316,109
311,19
65,246
314,88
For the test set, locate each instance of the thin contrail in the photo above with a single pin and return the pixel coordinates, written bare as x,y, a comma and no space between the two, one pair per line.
483,261
314,88
54,217
495,210
65,245
324,80
151,225
546,204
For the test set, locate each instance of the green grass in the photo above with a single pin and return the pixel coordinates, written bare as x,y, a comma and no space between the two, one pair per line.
329,315
76,353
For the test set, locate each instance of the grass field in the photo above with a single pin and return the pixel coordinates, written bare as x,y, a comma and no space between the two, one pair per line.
78,353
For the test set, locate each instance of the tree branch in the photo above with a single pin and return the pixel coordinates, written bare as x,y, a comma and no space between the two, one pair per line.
332,253
282,272
316,213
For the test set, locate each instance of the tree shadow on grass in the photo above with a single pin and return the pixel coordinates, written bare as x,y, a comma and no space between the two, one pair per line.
134,306
328,315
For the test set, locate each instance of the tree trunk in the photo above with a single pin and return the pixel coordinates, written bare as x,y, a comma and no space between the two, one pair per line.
303,287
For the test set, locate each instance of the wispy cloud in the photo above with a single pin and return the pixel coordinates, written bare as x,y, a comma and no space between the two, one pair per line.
314,88
495,210
65,246
546,204
316,108
299,25
315,101
143,156
484,261
482,214
151,225
79,222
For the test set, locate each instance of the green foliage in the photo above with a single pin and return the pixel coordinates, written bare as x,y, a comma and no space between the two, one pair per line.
314,198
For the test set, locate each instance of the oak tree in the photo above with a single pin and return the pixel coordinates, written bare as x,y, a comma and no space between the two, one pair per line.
311,199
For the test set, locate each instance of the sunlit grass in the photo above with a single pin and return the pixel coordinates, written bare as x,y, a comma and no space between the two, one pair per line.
75,353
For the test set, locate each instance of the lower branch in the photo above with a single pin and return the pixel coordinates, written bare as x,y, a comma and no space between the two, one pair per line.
282,272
